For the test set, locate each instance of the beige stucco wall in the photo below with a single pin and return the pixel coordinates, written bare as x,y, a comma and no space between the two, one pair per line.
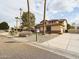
41,29
55,28
65,25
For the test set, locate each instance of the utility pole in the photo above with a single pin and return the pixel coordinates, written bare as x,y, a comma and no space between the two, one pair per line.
28,11
44,16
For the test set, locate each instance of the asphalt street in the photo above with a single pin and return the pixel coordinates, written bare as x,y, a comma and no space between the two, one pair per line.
11,49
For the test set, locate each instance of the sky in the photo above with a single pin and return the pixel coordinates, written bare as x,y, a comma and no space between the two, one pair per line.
55,9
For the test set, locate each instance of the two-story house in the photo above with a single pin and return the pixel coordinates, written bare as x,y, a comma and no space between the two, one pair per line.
53,26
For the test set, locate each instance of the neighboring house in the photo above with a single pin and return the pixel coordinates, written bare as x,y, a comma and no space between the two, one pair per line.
53,26
77,28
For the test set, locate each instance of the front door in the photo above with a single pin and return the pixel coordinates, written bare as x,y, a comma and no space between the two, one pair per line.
48,29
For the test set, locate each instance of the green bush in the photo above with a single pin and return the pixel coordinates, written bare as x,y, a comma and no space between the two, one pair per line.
4,26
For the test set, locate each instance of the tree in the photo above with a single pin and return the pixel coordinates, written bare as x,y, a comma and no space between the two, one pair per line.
68,26
4,26
29,23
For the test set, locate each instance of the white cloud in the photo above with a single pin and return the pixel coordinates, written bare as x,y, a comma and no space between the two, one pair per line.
63,5
76,20
10,8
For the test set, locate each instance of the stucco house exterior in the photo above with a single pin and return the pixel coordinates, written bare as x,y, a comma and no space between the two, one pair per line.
53,26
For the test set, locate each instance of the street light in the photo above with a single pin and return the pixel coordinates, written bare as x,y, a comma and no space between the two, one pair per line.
44,17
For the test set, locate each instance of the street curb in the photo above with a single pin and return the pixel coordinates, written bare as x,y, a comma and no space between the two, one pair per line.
62,52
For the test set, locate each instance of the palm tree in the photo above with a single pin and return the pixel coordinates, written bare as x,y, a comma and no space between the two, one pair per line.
16,22
28,11
20,12
44,17
20,16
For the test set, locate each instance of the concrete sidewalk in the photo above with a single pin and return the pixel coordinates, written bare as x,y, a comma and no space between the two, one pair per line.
65,41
